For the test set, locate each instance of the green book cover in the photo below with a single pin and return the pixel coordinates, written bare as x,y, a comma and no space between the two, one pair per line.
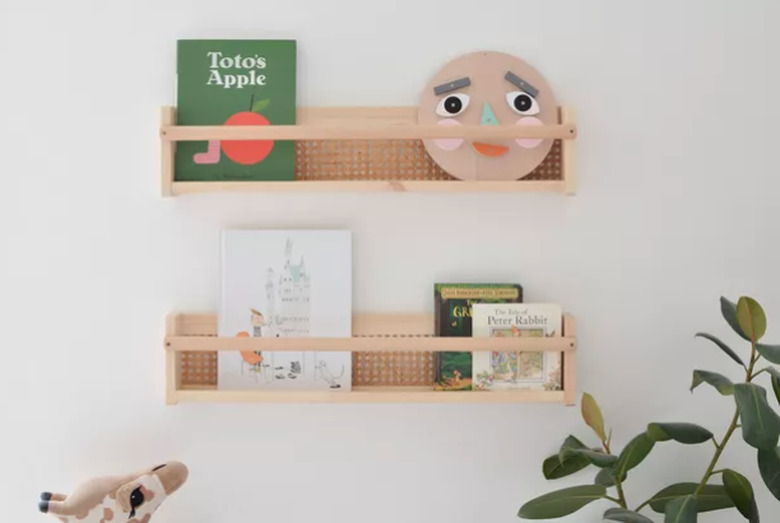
453,316
235,82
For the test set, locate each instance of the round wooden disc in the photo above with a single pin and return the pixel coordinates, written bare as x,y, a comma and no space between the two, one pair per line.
488,88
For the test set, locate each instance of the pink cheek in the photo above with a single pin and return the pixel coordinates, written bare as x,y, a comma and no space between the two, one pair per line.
448,144
529,143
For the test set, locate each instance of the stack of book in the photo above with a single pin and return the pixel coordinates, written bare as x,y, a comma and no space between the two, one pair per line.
494,310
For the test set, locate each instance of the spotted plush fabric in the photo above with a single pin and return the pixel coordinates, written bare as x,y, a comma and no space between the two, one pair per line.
132,498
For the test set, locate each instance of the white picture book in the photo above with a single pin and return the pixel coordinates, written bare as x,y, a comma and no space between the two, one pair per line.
285,283
496,370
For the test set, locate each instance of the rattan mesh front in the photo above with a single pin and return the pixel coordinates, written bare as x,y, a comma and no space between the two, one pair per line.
350,160
392,368
198,368
404,368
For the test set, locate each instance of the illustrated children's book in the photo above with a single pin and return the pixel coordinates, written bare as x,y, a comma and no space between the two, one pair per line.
452,306
235,82
285,283
498,370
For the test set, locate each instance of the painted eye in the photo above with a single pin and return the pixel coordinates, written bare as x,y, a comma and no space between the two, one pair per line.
452,105
136,498
522,103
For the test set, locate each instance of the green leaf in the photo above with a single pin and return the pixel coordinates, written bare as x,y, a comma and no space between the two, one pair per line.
729,311
751,318
775,380
719,381
606,477
770,353
561,502
740,491
776,387
681,510
591,413
686,433
626,516
260,105
760,423
769,467
571,443
633,453
574,447
723,346
711,497
595,457
554,468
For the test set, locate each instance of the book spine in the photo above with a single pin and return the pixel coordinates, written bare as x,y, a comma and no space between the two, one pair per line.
437,377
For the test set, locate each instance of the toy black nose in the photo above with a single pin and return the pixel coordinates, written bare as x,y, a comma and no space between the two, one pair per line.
43,506
158,467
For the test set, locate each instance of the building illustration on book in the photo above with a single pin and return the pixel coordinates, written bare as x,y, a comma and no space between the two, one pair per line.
293,292
286,308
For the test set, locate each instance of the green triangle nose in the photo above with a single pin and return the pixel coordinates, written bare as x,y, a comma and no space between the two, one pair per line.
488,117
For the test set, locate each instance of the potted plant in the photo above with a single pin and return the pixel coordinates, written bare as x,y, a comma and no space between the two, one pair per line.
754,419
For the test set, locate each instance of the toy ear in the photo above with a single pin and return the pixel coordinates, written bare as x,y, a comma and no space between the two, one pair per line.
123,494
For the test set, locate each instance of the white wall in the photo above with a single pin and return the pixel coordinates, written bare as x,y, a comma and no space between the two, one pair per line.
676,206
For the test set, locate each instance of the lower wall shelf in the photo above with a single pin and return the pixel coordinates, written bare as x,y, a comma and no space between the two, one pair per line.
367,395
193,337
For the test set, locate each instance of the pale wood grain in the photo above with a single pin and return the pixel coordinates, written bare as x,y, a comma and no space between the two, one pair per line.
367,395
361,123
570,363
378,344
426,186
172,363
569,152
167,152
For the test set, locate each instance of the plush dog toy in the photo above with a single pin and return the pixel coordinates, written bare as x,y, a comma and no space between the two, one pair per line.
125,499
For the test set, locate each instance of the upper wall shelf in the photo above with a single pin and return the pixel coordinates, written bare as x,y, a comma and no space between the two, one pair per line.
373,149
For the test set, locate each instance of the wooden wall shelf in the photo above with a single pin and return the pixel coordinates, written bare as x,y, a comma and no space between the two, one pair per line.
197,333
372,149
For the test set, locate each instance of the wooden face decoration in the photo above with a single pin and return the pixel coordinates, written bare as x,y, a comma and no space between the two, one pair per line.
488,88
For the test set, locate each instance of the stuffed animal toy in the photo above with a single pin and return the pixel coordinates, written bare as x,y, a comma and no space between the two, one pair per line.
132,498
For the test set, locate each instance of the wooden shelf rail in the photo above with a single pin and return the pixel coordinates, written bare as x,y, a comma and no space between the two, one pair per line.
371,332
359,124
364,123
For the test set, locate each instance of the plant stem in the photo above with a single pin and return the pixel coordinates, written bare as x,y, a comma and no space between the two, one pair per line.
621,494
719,447
643,505
621,500
718,452
614,500
757,373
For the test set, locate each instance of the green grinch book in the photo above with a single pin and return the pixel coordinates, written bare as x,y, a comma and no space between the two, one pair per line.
235,82
453,315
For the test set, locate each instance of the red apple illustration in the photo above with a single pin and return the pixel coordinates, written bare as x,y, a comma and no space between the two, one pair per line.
248,152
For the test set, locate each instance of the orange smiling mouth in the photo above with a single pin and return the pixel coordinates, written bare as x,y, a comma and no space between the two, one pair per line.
487,149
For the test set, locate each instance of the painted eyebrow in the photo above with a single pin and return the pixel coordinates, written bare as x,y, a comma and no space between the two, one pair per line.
521,84
451,86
